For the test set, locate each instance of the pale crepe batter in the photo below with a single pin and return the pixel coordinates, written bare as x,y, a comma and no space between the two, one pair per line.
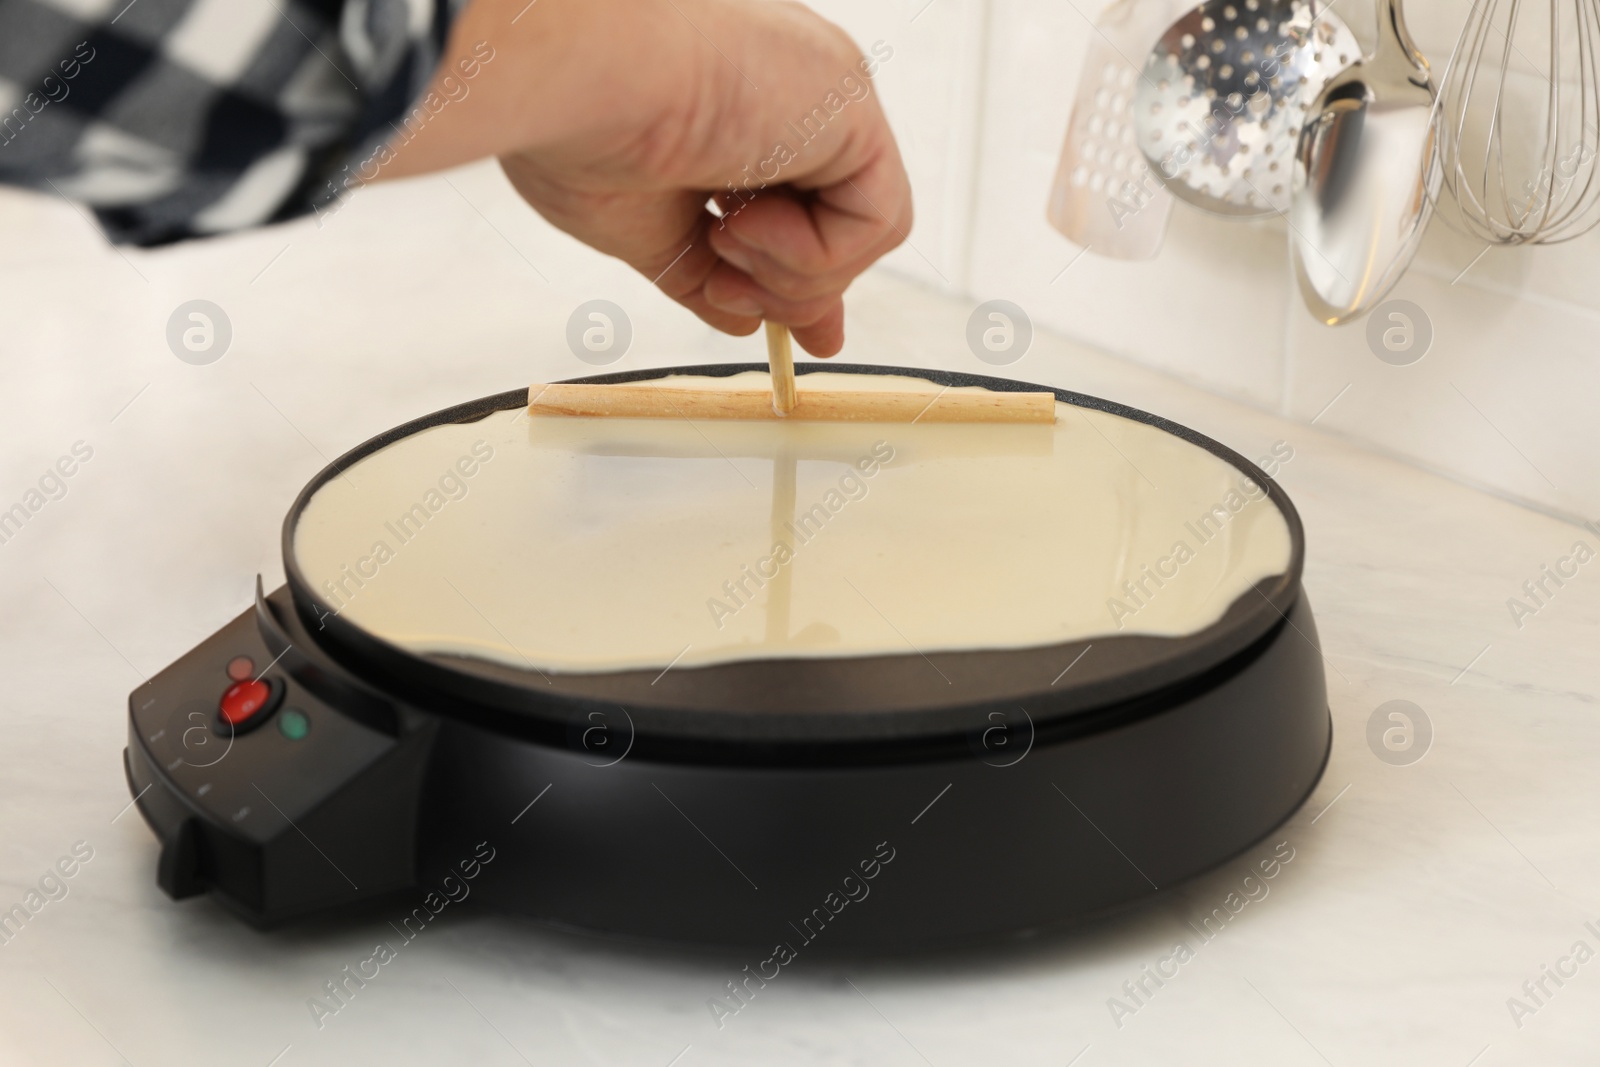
581,544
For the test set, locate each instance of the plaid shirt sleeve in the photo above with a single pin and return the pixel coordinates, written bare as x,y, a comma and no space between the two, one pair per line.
176,119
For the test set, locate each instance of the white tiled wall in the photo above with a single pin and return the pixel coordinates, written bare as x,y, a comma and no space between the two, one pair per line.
1503,399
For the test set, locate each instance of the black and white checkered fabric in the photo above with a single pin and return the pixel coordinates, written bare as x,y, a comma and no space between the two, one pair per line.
175,119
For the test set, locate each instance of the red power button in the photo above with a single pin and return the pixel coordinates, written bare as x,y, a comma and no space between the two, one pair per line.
243,701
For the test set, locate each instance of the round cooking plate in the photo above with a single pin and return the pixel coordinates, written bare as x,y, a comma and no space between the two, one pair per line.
878,706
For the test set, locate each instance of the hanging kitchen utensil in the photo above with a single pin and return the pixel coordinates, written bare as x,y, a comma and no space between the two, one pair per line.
1365,176
1522,171
1224,94
1104,197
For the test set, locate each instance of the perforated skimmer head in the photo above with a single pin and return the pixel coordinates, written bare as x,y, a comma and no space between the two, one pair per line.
1224,94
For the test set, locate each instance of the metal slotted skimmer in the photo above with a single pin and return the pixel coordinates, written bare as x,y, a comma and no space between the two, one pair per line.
1104,196
1224,94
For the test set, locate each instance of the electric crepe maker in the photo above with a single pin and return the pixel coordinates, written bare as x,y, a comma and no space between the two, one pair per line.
295,764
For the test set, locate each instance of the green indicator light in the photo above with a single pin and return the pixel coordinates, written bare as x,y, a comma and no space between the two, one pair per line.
294,724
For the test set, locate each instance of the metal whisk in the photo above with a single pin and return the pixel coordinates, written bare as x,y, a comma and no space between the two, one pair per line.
1520,122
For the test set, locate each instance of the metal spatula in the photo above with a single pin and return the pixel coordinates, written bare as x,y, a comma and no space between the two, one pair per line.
1105,197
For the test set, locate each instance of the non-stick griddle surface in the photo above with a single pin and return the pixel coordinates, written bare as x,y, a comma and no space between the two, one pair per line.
819,700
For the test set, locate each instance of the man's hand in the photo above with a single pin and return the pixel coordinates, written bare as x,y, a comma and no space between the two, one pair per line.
618,119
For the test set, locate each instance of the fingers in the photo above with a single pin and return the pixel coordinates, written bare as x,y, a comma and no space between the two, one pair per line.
731,301
691,272
780,246
822,231
824,337
734,291
683,276
788,255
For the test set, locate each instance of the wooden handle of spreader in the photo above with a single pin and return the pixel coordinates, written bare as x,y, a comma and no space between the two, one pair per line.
820,405
780,361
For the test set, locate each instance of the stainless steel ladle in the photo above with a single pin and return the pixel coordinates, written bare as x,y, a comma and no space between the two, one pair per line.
1365,176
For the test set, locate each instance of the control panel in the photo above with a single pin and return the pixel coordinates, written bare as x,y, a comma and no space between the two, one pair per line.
275,779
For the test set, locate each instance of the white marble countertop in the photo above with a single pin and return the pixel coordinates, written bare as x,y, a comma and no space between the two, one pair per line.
1420,898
